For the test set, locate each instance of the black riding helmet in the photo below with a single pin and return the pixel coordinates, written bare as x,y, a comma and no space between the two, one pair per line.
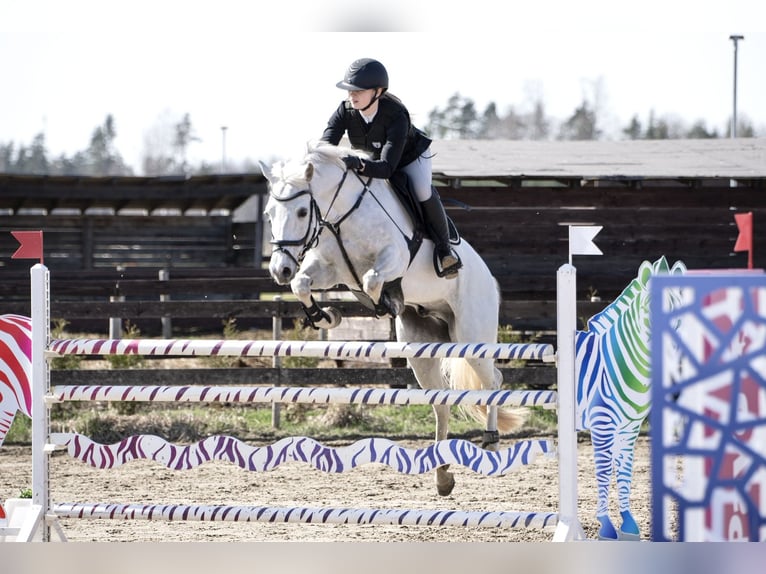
364,74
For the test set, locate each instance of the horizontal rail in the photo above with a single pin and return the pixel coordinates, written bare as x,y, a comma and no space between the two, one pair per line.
220,513
187,394
318,349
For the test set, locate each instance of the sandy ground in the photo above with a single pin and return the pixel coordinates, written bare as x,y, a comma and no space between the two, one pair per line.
533,488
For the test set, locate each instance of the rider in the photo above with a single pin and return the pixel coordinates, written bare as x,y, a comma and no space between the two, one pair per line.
379,123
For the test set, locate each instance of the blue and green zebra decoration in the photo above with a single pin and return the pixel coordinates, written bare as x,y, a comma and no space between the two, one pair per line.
613,378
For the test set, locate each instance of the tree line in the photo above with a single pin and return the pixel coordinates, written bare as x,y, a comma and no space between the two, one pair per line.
460,119
166,145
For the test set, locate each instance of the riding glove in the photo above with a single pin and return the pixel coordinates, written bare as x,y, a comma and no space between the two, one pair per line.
353,162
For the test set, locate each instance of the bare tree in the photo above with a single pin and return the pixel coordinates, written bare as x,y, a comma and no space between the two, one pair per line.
166,146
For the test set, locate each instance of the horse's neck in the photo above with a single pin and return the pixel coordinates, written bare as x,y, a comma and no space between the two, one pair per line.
379,203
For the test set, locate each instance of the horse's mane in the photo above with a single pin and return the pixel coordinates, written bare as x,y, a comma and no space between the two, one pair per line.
320,152
317,152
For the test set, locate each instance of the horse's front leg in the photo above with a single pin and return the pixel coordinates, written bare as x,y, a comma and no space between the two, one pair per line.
387,266
312,274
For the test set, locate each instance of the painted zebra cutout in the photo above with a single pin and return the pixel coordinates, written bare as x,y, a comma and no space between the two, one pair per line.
613,377
15,369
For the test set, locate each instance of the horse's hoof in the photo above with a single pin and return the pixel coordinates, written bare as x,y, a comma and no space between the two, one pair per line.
333,318
445,481
446,489
392,305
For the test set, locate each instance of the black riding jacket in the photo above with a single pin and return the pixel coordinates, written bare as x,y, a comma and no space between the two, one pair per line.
391,138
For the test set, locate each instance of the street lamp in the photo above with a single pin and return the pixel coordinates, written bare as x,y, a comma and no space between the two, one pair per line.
735,38
223,148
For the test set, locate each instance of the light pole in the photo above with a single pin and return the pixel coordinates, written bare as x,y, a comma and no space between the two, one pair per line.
735,38
223,148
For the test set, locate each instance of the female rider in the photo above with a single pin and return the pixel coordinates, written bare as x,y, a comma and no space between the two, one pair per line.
379,123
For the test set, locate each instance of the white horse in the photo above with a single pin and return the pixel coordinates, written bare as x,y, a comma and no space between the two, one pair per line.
331,226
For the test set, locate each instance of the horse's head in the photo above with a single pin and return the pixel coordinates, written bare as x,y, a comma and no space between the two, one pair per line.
292,215
299,194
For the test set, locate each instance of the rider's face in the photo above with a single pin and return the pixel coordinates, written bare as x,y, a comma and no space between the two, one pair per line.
361,98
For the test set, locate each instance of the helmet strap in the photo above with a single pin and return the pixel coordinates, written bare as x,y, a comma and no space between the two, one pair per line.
374,99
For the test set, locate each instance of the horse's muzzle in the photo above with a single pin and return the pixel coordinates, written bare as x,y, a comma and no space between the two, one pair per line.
281,268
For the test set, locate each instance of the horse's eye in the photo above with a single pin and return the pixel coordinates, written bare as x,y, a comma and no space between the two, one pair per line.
302,212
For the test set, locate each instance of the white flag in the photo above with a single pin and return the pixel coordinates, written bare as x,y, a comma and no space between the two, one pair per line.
581,240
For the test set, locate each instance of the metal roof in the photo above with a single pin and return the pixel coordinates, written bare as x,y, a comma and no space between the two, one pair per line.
741,158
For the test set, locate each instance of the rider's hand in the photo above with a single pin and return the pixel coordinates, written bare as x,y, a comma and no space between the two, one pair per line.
353,162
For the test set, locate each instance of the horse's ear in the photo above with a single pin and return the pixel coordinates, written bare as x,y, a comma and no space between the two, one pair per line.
265,170
308,174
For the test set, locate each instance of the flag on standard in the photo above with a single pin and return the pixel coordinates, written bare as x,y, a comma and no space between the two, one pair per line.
581,240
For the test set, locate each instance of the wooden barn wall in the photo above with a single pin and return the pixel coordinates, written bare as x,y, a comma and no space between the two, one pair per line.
522,233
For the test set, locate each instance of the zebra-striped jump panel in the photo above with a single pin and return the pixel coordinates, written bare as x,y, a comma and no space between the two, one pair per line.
317,349
193,512
312,395
304,450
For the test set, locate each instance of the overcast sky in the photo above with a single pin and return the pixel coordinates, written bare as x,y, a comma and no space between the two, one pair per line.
267,70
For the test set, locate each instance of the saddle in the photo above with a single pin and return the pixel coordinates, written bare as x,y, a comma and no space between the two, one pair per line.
392,299
400,182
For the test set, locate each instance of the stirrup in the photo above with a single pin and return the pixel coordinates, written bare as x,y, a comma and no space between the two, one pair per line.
448,265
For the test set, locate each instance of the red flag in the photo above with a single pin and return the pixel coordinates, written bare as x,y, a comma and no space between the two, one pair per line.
30,245
745,238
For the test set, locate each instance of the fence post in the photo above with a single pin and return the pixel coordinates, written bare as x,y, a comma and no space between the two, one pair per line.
40,379
115,323
569,527
166,321
276,362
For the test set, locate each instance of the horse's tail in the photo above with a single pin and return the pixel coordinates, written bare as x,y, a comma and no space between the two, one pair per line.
462,375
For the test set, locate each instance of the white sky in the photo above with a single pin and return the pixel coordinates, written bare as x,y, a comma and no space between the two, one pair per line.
267,70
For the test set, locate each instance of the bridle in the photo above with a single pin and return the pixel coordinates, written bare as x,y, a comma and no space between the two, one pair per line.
310,238
318,223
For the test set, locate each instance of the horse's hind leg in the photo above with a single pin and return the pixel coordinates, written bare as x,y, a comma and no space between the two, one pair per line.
491,438
411,327
481,374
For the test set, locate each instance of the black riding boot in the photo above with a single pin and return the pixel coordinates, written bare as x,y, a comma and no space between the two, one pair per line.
436,220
